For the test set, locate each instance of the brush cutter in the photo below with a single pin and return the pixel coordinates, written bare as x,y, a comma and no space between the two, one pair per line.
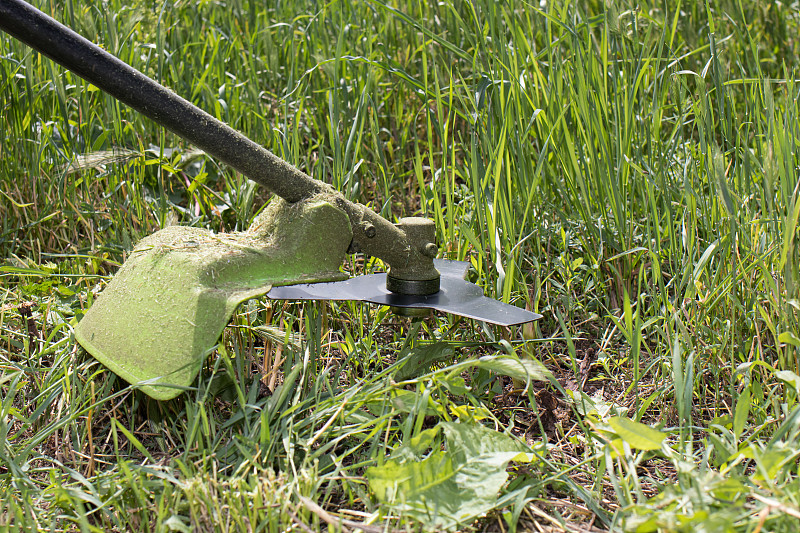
165,309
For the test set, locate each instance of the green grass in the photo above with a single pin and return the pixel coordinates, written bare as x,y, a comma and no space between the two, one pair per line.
628,170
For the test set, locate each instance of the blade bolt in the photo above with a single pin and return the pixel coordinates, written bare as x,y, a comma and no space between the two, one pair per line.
430,250
369,230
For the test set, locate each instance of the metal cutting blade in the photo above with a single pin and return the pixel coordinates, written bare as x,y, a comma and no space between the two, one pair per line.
456,295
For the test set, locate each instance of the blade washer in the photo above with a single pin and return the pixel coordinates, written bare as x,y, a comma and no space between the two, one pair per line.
422,287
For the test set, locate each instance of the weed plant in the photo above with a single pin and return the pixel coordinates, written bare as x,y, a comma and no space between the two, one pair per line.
628,169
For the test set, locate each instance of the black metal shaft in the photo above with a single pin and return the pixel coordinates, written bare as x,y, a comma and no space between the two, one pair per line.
133,88
406,248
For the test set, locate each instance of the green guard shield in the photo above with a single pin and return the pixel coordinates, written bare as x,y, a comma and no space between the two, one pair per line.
162,314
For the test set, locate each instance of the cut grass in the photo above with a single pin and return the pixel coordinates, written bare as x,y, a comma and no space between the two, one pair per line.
629,171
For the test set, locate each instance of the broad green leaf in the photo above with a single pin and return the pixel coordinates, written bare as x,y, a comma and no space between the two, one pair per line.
789,377
769,461
636,434
424,440
595,405
455,384
405,401
617,449
437,491
518,368
789,338
469,412
704,259
415,448
740,412
470,236
174,523
452,487
728,489
419,359
470,440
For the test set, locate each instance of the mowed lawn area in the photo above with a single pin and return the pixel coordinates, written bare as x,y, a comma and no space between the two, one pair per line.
629,170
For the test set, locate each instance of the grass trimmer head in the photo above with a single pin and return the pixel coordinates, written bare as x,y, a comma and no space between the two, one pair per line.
162,314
